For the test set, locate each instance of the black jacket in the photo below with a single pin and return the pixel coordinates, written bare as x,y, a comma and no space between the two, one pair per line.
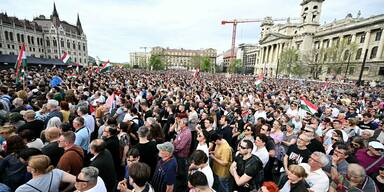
104,162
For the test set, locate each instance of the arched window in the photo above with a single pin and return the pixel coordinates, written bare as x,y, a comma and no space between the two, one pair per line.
358,54
315,7
374,52
346,55
306,9
47,42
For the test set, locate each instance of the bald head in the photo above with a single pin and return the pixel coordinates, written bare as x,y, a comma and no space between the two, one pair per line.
52,133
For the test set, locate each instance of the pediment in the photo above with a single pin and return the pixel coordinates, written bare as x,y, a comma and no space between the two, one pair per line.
273,37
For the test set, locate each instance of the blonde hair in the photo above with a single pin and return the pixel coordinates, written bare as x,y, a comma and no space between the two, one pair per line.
52,133
41,163
298,170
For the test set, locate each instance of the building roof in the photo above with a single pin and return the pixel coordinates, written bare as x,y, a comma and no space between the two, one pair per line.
11,59
20,23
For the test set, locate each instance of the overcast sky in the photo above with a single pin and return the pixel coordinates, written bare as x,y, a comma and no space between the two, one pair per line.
116,27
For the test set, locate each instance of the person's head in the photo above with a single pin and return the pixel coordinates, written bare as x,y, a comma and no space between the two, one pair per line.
357,143
155,131
318,160
82,110
366,134
15,144
52,133
217,139
341,151
25,154
183,123
224,120
139,174
28,115
18,102
27,135
143,132
303,140
208,122
198,181
249,129
296,173
199,158
123,127
309,131
376,148
78,123
165,150
97,146
52,104
381,171
264,129
67,139
64,105
336,124
109,131
203,137
356,174
39,164
54,122
269,186
87,178
133,156
245,147
261,140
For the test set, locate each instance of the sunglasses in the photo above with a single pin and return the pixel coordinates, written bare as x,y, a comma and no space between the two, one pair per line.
248,129
80,180
379,150
199,135
306,130
355,145
334,139
242,147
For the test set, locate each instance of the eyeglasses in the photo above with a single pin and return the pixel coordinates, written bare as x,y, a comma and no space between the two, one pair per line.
355,145
80,180
313,159
303,139
248,129
199,135
242,147
309,131
334,139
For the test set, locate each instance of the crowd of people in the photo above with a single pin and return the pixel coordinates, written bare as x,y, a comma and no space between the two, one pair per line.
134,130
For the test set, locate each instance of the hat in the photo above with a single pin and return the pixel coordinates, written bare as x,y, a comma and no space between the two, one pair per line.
28,113
376,145
167,146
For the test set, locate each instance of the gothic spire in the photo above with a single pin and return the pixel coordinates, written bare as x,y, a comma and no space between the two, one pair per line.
54,13
78,24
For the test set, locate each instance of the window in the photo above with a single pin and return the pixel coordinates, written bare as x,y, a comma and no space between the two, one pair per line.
346,55
13,46
22,38
351,70
18,37
80,60
32,40
314,17
9,46
11,36
366,70
362,38
378,35
73,45
358,54
54,43
1,45
29,39
6,35
381,71
78,46
306,9
48,43
373,52
315,7
62,43
68,44
83,47
325,57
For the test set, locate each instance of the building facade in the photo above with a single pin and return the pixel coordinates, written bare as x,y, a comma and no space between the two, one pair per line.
250,55
43,37
310,38
139,59
183,58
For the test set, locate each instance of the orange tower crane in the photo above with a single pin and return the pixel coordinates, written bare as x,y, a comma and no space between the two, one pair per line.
236,21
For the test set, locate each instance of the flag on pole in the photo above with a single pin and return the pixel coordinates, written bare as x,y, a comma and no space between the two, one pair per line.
197,73
71,76
21,64
307,105
105,67
259,80
66,58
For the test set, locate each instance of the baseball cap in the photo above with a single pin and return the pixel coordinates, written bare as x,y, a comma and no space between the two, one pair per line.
166,146
376,145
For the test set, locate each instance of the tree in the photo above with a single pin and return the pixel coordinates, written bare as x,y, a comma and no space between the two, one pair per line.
155,63
289,62
206,65
315,59
234,65
340,53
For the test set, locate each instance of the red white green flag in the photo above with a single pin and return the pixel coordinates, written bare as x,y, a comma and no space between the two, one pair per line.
307,105
259,80
105,67
21,64
66,58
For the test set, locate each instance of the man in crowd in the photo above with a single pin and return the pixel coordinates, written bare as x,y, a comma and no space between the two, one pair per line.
88,180
317,179
221,161
164,178
73,158
82,133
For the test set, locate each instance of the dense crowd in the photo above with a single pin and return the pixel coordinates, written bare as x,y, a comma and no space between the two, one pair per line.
133,130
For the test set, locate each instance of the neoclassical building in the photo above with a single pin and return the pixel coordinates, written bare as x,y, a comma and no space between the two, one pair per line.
139,59
183,58
44,37
308,36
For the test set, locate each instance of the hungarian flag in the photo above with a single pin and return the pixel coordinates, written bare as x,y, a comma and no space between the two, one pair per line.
259,80
307,105
66,59
105,67
71,76
21,64
197,73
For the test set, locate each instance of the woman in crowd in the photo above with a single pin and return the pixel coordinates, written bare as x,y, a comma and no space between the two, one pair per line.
296,180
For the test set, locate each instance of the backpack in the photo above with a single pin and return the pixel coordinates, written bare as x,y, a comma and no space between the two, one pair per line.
140,121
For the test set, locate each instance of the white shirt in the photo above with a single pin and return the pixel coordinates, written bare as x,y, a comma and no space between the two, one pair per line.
317,180
262,154
37,143
209,174
99,187
89,122
262,114
203,147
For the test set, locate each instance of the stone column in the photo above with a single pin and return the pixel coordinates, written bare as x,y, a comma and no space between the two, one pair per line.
381,44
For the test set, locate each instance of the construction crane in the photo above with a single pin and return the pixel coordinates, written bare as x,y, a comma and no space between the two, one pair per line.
236,21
